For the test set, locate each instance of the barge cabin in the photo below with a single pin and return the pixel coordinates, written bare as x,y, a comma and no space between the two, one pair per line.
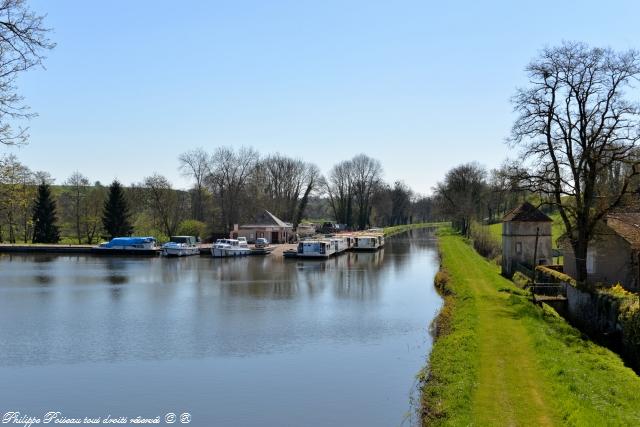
368,242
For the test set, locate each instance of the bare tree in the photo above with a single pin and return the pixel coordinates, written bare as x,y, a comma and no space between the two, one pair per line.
401,196
339,187
462,195
287,185
92,214
195,164
424,209
367,175
23,39
382,203
165,202
312,183
574,125
283,181
230,173
17,192
78,187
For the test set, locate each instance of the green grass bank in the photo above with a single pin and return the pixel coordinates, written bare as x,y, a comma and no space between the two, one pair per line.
500,360
397,229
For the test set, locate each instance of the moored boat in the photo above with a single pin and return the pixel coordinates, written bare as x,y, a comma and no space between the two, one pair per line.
316,249
339,243
181,246
368,242
223,248
128,246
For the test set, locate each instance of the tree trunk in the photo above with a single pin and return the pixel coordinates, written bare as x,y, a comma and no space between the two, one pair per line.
580,252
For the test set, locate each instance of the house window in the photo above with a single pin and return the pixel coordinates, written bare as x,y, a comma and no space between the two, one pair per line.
591,261
518,247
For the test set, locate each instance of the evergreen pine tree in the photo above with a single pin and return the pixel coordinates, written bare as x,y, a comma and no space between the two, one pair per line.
115,216
45,229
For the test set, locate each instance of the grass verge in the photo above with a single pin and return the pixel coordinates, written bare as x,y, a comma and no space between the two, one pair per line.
397,229
500,360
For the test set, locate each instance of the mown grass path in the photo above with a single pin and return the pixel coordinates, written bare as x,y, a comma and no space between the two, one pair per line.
503,361
509,388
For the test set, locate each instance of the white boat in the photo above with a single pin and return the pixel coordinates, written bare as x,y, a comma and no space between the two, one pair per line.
181,246
228,248
128,246
368,242
316,249
340,244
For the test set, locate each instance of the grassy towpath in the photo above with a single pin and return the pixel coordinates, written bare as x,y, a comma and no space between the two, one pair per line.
499,360
397,229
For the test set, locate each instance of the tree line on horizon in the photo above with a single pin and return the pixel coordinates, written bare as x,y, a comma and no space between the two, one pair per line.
229,186
576,128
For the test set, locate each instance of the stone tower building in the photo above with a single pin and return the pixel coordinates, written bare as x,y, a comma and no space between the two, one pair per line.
519,230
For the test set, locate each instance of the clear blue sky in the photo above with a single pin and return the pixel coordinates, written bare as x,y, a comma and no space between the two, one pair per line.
420,85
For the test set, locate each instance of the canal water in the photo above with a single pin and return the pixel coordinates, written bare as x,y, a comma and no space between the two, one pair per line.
233,342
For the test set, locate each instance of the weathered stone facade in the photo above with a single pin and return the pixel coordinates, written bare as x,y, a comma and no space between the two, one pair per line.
519,230
613,255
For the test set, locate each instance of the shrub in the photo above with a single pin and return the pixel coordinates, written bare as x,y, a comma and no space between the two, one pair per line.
192,227
484,242
520,279
442,323
441,280
549,272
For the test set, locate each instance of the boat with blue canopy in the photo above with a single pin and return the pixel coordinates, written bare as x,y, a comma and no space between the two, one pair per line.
129,246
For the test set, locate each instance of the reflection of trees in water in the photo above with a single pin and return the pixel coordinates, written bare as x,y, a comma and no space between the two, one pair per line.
116,274
404,245
350,275
43,269
257,278
43,279
360,280
116,270
178,269
261,289
371,260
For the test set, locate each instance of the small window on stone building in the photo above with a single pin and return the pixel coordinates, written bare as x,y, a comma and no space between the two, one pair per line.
518,247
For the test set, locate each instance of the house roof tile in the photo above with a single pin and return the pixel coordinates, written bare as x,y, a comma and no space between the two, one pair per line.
266,218
626,225
526,212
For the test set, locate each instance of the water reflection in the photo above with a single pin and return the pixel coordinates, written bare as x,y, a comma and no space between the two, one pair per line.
256,323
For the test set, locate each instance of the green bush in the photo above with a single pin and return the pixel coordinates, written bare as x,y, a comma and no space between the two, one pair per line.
628,305
556,275
630,319
520,279
192,227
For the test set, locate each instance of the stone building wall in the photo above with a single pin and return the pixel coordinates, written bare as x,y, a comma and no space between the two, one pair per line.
610,260
518,244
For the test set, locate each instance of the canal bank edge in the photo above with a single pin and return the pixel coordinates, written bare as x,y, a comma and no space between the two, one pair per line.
499,360
397,229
